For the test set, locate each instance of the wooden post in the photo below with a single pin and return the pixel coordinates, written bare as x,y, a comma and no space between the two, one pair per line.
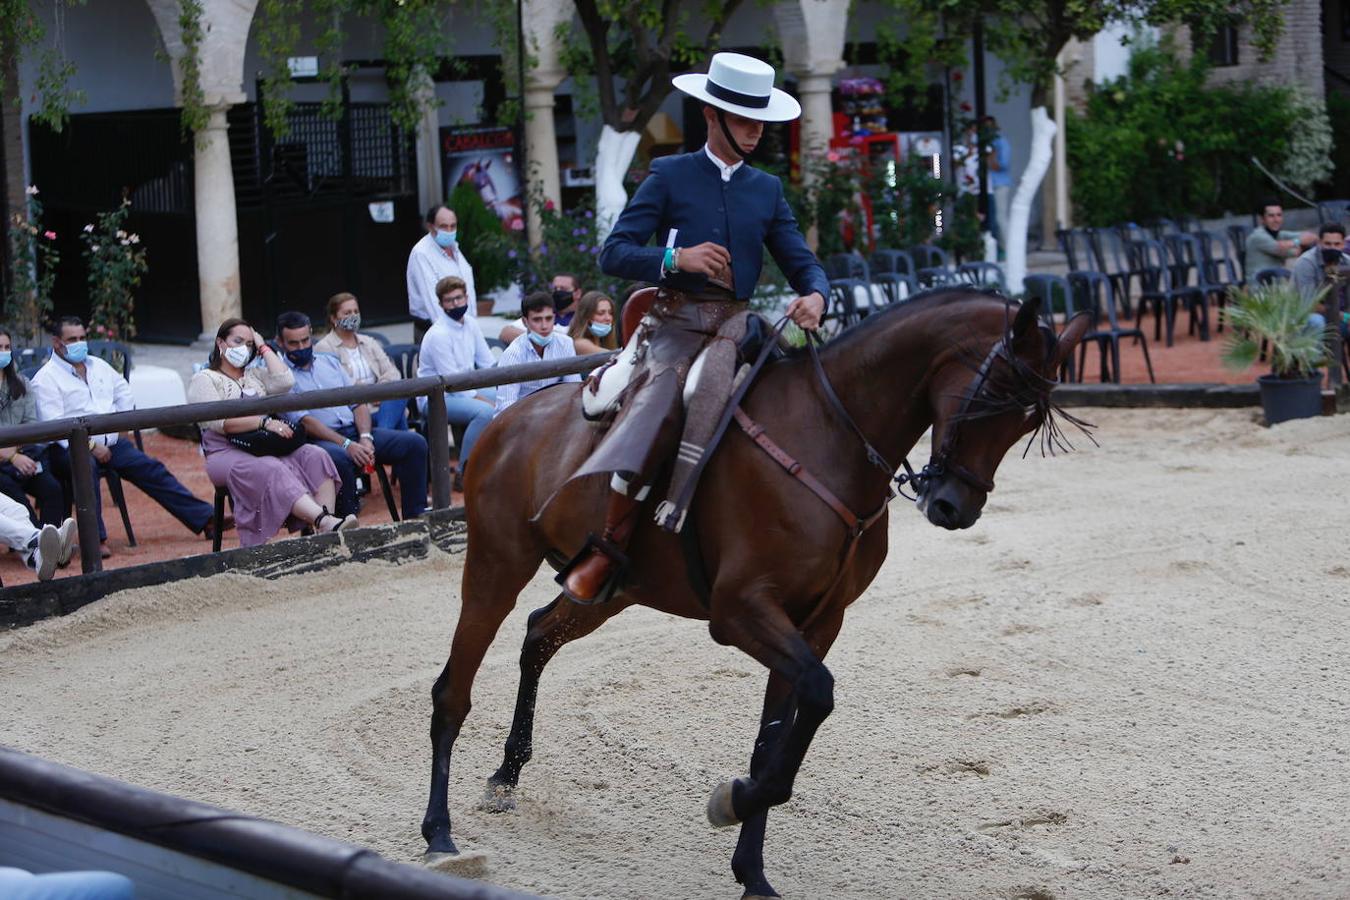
438,449
85,484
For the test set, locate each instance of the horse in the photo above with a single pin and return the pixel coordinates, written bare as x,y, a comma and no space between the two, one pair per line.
976,368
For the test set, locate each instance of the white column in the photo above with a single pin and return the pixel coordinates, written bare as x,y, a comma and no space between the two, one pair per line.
217,226
541,147
813,90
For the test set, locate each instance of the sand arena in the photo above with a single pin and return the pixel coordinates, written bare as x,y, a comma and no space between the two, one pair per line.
1127,680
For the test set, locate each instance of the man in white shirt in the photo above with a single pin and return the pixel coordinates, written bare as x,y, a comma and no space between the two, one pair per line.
566,290
540,341
455,344
73,383
437,255
43,548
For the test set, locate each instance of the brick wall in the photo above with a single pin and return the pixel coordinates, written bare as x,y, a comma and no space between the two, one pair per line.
1297,58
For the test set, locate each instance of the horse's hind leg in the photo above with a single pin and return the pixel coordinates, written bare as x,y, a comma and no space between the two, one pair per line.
550,628
747,863
493,578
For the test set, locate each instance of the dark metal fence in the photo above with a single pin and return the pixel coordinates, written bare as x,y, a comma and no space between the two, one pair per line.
79,429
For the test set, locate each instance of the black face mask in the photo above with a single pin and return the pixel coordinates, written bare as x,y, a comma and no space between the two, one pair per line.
457,312
561,299
1330,257
302,357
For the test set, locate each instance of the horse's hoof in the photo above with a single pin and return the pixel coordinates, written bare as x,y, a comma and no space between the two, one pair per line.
465,863
721,813
498,798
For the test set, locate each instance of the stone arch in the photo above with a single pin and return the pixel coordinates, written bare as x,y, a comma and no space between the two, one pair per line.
226,24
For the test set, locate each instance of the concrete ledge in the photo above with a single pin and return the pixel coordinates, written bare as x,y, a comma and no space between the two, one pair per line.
1180,396
29,603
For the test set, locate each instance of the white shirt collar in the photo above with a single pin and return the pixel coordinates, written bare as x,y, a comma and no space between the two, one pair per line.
726,170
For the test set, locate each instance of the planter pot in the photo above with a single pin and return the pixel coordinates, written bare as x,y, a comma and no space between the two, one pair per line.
1290,398
484,308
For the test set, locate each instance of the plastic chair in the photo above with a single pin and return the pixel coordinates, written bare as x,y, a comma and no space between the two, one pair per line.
895,287
896,262
384,341
934,266
982,274
1164,295
1218,272
222,493
1334,211
841,308
1050,288
846,265
119,499
1237,235
1092,291
404,356
1076,245
1116,263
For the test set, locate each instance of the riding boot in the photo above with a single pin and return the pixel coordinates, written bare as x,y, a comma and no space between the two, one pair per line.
590,575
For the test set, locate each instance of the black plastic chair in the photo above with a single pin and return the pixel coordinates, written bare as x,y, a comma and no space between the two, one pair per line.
934,267
119,499
404,357
983,275
846,265
1054,292
1076,245
896,262
1237,236
1334,211
384,341
841,308
222,493
1116,263
1218,272
1164,296
1092,291
894,287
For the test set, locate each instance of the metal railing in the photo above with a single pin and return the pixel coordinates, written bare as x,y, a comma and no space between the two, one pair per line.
79,429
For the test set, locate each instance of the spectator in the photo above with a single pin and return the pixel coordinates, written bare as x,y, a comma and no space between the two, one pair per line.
1268,246
593,327
540,342
1310,272
455,344
73,383
25,470
43,548
436,256
346,432
268,491
362,357
998,158
565,289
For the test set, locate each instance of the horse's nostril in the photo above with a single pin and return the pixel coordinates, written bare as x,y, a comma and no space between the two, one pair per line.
943,512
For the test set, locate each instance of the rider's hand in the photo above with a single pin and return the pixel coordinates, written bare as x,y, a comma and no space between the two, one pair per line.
806,311
705,259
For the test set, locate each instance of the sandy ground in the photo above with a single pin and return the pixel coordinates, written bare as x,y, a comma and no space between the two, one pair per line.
1127,680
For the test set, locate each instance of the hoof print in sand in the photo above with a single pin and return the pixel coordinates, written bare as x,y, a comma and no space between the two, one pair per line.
1039,818
1020,711
955,767
964,672
1030,894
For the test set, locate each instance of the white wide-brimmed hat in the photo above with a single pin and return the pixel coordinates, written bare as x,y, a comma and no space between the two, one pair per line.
742,85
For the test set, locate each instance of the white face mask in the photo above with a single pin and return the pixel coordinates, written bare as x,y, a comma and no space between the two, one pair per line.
237,356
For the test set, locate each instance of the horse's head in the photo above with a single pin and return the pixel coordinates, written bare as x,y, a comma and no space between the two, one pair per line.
979,415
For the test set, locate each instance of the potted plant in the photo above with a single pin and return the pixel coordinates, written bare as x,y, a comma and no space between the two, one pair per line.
1276,315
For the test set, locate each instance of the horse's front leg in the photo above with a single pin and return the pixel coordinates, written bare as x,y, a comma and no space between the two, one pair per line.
747,863
761,627
550,628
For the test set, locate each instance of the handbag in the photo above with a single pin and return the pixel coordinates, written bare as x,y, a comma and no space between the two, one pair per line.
261,442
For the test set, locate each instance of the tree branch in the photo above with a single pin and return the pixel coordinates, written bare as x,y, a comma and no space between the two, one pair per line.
597,34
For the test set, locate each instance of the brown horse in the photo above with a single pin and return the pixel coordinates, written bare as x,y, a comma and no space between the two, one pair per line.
780,566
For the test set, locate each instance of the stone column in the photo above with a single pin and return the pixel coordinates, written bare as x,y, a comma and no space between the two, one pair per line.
817,127
541,148
217,225
430,178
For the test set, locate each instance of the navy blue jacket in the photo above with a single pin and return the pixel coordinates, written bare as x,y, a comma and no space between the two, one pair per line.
745,215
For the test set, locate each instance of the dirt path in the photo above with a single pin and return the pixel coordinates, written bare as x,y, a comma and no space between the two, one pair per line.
1127,680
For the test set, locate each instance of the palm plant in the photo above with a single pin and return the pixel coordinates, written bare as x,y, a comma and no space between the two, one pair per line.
1275,314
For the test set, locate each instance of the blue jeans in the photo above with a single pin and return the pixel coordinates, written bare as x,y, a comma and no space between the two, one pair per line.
20,885
472,413
392,414
148,474
404,451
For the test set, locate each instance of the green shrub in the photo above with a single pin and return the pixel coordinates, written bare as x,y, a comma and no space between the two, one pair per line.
483,239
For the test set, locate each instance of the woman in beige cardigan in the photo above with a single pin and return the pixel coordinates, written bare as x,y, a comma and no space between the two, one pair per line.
298,489
362,357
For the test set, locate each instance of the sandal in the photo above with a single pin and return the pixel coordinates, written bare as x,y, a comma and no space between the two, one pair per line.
327,523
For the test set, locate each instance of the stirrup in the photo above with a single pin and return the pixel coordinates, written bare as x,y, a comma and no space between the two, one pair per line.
617,558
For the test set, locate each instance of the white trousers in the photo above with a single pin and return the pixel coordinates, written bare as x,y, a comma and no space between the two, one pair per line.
16,529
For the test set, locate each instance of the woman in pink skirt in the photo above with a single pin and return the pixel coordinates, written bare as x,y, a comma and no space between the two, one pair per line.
269,491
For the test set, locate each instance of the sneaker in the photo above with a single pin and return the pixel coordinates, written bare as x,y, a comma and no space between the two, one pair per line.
43,552
68,532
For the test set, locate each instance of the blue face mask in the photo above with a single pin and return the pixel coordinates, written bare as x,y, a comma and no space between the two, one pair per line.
302,357
446,239
77,352
541,340
5,357
601,329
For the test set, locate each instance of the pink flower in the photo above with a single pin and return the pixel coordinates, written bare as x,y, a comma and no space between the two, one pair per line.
832,156
49,235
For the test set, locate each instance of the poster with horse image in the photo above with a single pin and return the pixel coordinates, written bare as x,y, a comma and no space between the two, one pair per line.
487,159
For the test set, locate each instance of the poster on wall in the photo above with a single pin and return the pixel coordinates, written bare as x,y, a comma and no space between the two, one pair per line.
486,159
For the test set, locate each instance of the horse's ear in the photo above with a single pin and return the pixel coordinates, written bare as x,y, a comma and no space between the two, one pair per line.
1070,338
1024,326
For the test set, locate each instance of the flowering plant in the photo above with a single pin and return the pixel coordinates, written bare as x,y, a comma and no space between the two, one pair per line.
34,258
568,242
115,261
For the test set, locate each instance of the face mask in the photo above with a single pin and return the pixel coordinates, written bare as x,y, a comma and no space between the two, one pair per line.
601,329
77,352
238,356
561,299
350,323
457,312
541,340
5,357
446,239
302,357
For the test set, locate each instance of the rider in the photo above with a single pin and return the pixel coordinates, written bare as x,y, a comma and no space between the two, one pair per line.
712,216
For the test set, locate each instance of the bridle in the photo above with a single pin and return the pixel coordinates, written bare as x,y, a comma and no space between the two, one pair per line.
941,462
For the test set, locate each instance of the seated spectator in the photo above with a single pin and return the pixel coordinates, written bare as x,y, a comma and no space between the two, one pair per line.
362,357
540,342
1268,246
25,470
346,432
1310,269
43,548
455,345
566,291
268,491
593,327
73,383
